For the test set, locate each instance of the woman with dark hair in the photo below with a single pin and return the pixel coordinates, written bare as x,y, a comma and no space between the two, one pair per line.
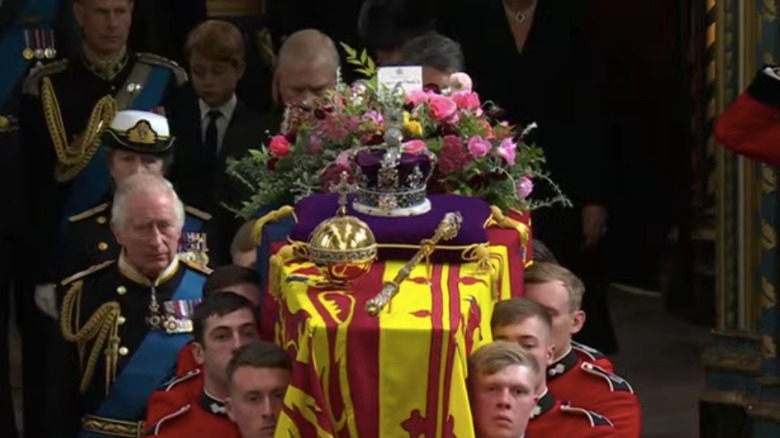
531,57
438,55
385,25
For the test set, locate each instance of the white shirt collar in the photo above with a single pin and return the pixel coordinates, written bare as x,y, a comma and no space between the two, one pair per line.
226,109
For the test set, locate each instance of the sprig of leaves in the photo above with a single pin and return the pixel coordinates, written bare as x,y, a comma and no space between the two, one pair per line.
365,65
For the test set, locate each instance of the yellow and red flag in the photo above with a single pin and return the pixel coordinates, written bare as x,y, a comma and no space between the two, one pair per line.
401,374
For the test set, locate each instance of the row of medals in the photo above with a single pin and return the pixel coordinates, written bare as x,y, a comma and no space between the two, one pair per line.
39,44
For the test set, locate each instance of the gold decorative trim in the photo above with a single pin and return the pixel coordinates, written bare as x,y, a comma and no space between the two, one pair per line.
111,427
713,43
750,196
737,334
89,271
130,271
729,360
88,213
31,84
203,269
723,397
101,328
764,409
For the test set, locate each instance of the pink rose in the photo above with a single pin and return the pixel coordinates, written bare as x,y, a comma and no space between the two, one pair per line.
524,187
373,116
478,146
279,146
414,147
416,97
315,145
442,107
342,160
467,100
506,150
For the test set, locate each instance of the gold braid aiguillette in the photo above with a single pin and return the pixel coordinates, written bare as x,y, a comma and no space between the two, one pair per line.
447,229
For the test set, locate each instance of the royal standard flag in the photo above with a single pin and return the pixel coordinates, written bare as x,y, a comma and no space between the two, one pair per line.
399,375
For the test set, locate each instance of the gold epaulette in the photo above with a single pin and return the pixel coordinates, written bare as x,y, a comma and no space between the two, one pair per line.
200,214
152,59
89,213
89,271
205,270
33,78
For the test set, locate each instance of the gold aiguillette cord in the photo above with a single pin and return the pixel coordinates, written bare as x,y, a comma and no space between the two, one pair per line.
447,229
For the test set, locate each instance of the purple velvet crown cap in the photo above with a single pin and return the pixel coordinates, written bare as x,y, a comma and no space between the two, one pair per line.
370,162
399,237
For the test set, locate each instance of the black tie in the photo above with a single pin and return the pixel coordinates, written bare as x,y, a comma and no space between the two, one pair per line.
212,137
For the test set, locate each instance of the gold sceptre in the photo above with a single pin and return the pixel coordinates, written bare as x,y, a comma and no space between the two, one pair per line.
447,229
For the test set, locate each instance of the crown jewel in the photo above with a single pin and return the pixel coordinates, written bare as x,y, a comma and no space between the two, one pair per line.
391,181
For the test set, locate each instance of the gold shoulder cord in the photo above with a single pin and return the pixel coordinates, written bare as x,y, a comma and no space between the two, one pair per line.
72,158
102,326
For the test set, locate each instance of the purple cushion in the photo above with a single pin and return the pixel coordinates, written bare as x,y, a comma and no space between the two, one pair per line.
399,238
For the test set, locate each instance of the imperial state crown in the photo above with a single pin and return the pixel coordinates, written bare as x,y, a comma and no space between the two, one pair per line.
392,181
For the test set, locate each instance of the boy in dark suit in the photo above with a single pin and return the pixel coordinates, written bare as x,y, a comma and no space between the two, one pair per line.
211,125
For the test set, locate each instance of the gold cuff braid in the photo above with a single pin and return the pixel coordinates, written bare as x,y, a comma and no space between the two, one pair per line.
111,427
102,326
73,157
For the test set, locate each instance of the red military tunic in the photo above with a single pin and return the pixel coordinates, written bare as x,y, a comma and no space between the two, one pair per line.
750,126
174,394
589,386
551,418
590,354
185,361
204,416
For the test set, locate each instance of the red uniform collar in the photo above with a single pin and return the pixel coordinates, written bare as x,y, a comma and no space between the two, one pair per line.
545,403
211,404
562,365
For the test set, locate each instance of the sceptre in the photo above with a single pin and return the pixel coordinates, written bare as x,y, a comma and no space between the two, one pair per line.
447,229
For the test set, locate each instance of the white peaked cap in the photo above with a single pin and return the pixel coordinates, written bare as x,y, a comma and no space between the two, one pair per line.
128,119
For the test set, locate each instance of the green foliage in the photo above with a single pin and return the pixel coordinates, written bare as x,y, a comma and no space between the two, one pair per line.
365,65
301,160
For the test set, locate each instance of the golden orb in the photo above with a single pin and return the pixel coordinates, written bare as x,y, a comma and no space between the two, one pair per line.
343,247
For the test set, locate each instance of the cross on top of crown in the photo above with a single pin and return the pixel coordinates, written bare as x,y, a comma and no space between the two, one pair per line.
343,188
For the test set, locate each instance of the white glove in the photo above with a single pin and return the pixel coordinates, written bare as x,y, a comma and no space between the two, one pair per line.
46,300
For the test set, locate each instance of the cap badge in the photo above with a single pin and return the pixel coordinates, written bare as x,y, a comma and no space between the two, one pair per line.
142,133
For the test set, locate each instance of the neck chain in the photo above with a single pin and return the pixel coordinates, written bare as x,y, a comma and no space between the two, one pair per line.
518,16
105,68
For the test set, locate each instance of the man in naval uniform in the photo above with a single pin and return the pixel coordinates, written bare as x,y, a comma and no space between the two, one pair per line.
136,142
66,107
30,32
123,321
